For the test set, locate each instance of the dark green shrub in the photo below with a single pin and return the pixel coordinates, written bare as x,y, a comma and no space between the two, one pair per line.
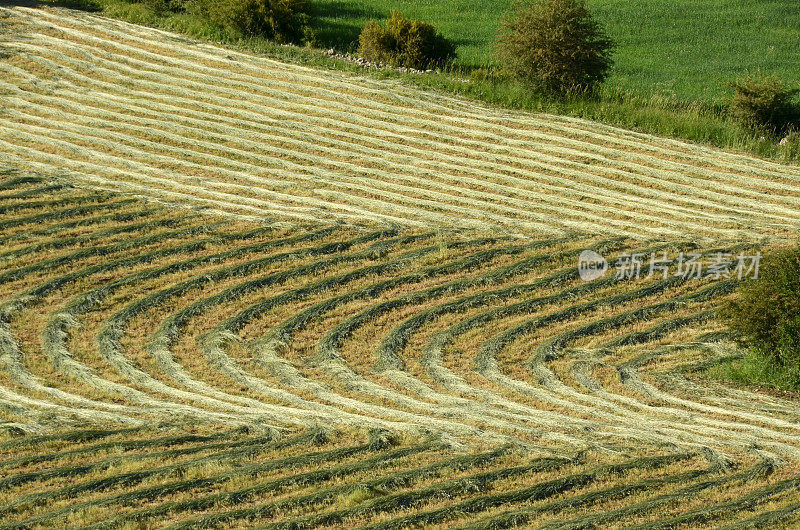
375,44
280,20
405,43
164,6
554,45
765,104
766,315
92,6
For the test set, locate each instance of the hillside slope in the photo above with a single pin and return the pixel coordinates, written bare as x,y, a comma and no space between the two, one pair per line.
206,372
122,107
245,365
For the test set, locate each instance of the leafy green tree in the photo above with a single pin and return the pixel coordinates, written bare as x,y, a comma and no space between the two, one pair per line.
555,45
766,315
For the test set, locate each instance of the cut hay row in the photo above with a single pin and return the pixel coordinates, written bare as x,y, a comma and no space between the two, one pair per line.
130,32
431,358
17,183
199,123
447,488
55,339
236,475
277,388
733,507
326,356
310,478
130,479
223,368
150,131
545,490
256,449
509,189
35,192
69,213
113,328
787,515
605,405
76,470
636,315
72,436
381,152
307,81
294,491
93,449
708,353
13,356
402,479
60,241
759,470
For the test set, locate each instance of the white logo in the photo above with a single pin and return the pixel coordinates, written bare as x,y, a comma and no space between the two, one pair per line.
591,265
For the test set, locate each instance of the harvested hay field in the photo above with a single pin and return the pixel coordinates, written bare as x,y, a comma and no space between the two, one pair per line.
122,107
237,293
168,369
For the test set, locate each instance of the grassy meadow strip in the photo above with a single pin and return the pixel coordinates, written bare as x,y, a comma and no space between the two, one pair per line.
248,494
402,479
126,445
543,491
758,470
131,479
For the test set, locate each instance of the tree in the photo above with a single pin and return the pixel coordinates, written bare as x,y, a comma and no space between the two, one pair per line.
555,45
766,315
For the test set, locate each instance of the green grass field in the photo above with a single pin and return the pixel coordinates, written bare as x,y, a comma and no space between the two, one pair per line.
682,48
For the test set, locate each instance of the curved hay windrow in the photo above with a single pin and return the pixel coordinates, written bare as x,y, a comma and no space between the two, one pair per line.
340,324
414,344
